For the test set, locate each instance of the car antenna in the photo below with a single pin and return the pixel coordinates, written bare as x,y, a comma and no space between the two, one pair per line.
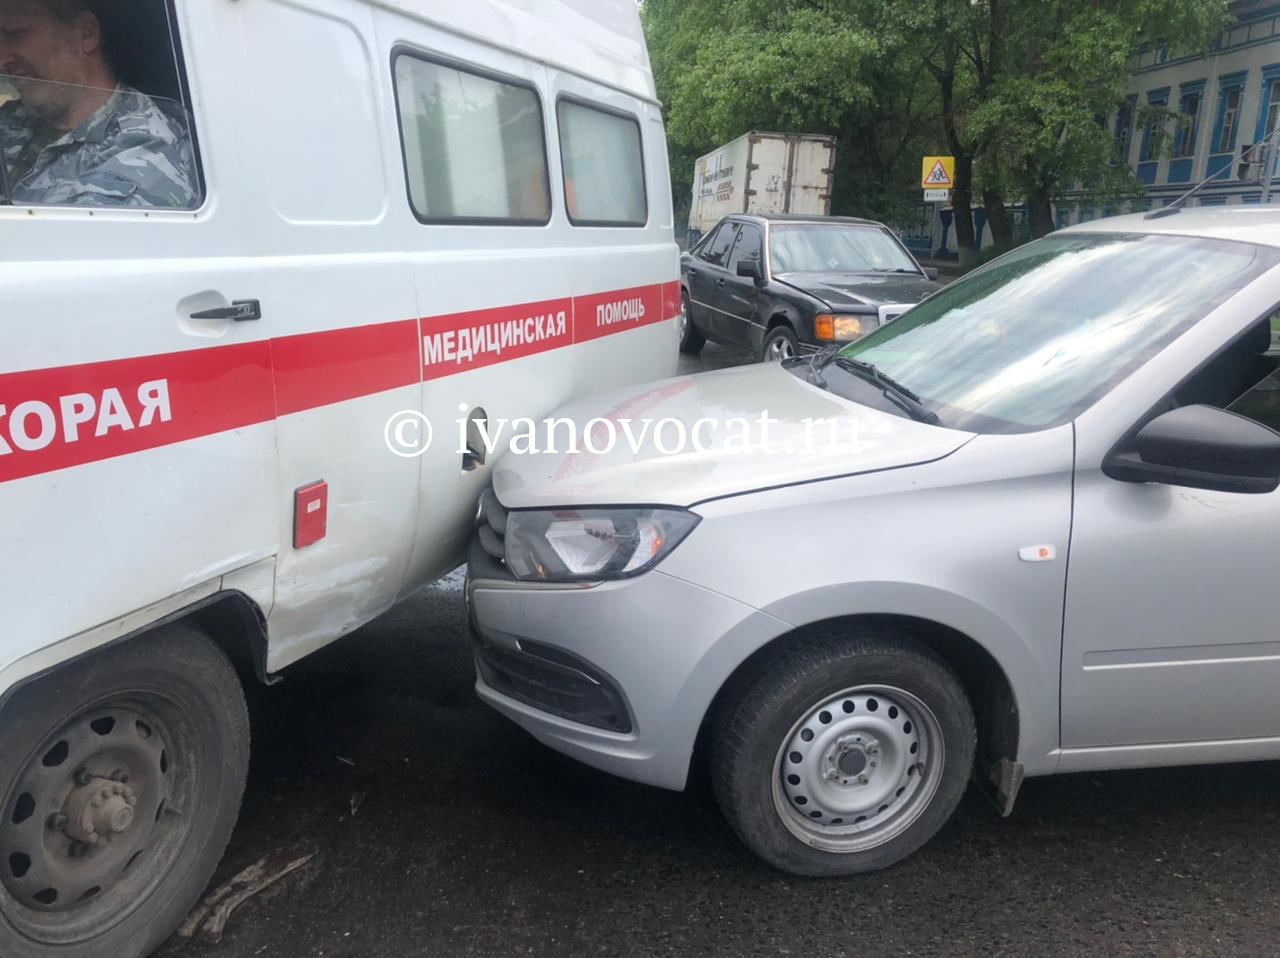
1176,205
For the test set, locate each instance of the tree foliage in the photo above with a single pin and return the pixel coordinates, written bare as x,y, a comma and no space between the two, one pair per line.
724,67
1018,91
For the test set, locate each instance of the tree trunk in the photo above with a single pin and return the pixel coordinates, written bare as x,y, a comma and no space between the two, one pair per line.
962,203
962,190
1040,212
998,220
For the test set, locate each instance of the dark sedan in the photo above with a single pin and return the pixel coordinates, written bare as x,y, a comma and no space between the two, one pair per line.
781,285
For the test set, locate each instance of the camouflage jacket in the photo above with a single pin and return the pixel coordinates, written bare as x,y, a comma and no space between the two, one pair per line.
129,153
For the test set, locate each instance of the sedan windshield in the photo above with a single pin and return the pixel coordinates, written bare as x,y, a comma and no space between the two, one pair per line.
835,248
1039,335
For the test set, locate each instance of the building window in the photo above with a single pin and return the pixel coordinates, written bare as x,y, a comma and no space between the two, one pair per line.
1272,99
1184,140
1229,121
473,145
1124,126
603,166
1154,130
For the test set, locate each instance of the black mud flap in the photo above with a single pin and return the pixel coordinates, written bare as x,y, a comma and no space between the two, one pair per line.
999,781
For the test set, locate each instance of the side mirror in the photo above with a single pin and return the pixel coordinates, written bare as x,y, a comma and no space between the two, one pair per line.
751,268
1202,448
931,273
685,258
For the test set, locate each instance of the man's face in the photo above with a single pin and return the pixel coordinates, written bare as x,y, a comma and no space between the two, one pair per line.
46,58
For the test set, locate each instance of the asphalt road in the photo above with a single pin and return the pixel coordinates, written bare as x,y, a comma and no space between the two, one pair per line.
468,838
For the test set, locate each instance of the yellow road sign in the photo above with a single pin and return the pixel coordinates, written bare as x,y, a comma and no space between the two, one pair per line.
938,173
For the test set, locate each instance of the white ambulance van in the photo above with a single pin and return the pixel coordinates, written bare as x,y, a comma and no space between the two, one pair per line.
246,275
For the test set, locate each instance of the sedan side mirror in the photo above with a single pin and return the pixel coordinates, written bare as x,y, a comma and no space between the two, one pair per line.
752,269
931,273
1202,448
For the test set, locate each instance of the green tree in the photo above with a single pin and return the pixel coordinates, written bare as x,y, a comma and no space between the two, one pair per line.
1019,92
724,67
1063,73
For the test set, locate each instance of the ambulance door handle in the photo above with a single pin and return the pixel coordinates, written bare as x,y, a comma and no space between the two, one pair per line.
241,310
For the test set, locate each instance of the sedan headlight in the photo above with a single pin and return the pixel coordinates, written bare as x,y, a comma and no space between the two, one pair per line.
566,545
842,329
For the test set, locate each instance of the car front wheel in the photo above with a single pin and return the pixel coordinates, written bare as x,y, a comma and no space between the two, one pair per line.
779,344
691,341
844,755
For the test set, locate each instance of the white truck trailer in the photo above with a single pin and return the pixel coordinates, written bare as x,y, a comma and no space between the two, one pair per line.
763,173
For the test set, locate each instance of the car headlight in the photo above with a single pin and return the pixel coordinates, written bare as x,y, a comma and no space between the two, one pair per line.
842,329
564,545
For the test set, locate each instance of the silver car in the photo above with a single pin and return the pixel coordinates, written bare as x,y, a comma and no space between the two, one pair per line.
1033,535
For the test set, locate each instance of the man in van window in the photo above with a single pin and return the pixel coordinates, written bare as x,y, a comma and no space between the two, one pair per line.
75,135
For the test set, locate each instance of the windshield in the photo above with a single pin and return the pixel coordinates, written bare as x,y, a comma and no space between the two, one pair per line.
1039,335
835,248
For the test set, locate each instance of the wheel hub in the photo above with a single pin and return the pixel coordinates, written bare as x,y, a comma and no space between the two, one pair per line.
97,811
851,756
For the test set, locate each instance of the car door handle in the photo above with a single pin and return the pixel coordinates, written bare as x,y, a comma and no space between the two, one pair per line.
721,281
241,310
691,271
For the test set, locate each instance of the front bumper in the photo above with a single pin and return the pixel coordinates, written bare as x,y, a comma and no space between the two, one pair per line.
657,646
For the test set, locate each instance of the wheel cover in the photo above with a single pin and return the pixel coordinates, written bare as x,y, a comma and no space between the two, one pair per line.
779,349
93,822
858,768
684,316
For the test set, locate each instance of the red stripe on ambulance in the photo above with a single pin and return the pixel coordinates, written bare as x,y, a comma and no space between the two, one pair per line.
462,341
606,313
319,369
73,415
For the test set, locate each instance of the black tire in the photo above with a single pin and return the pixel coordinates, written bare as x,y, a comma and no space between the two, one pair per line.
169,707
691,341
779,339
761,712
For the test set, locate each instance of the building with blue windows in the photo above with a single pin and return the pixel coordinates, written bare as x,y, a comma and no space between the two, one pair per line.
1225,100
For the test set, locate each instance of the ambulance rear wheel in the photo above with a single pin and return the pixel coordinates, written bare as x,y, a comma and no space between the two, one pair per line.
120,782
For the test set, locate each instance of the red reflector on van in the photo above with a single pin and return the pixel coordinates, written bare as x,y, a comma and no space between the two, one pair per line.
310,514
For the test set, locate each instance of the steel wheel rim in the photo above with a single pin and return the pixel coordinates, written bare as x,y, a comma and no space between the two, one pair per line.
858,768
99,885
779,350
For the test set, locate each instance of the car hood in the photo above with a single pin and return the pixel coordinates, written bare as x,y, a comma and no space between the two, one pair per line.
739,453
861,289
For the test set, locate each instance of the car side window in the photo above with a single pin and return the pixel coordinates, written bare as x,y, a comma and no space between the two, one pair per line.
748,246
107,129
1244,378
1261,401
717,251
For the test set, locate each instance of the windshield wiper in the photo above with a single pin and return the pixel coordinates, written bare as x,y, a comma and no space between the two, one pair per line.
893,390
819,360
894,269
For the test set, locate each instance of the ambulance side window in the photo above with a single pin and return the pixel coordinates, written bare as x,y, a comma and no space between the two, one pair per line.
603,166
473,144
123,140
